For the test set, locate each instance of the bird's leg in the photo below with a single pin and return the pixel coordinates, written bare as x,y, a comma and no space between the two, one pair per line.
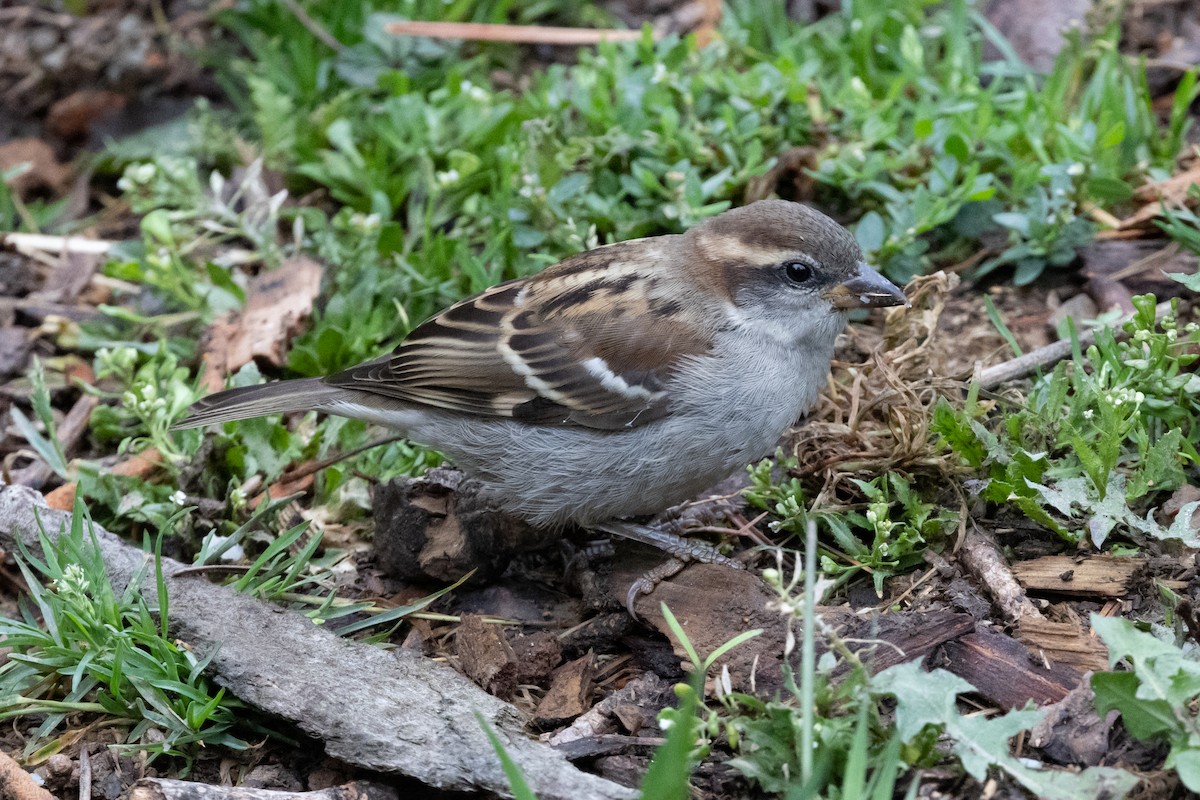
680,549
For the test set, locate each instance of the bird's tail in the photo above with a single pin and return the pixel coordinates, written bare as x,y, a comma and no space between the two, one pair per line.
255,401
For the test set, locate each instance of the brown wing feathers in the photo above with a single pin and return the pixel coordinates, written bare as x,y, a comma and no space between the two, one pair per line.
524,350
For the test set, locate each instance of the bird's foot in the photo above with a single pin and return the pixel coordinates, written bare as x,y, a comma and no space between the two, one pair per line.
681,550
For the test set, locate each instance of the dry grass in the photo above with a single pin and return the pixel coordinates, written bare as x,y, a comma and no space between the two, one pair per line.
874,415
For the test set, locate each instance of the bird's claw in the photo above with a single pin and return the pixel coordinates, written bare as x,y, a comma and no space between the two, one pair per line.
650,579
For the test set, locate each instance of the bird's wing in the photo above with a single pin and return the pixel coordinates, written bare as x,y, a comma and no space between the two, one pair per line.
533,351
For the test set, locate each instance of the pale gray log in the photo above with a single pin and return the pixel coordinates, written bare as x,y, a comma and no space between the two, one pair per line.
390,712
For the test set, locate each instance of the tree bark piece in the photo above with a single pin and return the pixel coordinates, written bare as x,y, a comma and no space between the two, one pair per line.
438,527
378,710
169,789
714,603
1003,670
570,693
486,656
1092,576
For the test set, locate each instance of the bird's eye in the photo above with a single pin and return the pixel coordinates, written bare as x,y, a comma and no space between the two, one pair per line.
798,271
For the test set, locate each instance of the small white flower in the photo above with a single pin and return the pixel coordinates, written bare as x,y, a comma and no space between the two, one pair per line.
448,178
665,724
1075,169
179,498
1088,413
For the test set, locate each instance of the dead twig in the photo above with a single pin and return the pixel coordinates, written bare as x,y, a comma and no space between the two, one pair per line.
516,34
1051,354
981,557
312,26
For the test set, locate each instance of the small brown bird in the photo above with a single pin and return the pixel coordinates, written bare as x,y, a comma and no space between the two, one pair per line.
621,381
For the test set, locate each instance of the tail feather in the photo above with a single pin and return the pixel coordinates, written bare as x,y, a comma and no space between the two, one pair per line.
255,401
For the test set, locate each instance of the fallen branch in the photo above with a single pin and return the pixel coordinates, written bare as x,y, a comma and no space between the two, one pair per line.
516,34
168,789
394,712
981,557
1051,354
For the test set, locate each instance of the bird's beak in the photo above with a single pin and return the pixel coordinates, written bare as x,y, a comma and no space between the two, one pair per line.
866,289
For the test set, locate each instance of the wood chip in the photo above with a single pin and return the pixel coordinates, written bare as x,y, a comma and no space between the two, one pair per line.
277,303
1093,576
1069,643
570,693
1005,672
486,656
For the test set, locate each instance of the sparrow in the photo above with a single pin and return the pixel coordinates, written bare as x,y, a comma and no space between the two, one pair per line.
621,381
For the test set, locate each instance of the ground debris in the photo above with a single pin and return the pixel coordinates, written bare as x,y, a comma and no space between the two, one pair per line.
1071,732
570,693
438,527
875,414
1078,576
647,691
715,603
277,304
486,657
1005,672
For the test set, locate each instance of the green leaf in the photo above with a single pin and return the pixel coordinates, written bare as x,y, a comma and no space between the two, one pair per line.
870,232
956,145
1190,280
1187,766
1013,221
1161,467
669,773
1110,190
1143,719
922,698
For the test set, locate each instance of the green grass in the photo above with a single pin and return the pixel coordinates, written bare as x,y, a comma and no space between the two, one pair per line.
78,646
